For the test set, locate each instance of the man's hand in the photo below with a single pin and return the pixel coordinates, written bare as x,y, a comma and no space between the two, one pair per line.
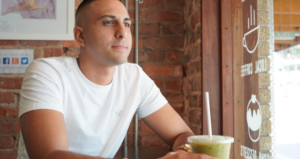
186,155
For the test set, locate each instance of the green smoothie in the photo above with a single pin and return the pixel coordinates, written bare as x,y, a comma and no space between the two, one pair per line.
217,146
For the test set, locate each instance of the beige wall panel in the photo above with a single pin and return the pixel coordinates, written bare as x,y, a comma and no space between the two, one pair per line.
264,80
264,96
263,49
265,111
265,128
265,143
264,33
263,18
263,4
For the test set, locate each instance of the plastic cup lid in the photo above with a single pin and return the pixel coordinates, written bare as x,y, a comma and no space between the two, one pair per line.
216,139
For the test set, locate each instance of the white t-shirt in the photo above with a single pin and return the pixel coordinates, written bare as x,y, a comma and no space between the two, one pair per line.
96,117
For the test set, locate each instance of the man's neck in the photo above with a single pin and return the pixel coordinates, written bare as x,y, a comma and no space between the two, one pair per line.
95,72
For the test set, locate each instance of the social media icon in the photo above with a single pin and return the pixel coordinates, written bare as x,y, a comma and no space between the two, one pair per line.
5,61
24,60
15,60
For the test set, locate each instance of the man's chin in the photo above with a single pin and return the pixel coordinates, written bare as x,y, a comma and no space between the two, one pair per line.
118,62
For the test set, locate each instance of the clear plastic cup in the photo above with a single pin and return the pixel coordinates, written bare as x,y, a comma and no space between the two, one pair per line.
217,146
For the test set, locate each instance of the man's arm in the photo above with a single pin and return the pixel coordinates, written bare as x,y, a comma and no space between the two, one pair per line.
170,127
45,136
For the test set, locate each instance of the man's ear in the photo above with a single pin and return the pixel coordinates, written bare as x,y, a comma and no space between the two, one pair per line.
78,35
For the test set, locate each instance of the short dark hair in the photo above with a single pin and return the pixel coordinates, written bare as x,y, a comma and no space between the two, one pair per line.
85,3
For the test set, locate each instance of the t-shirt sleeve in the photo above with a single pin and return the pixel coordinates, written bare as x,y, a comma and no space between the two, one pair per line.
151,97
41,88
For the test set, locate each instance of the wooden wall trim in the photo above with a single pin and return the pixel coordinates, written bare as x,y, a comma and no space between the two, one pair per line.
227,70
211,64
238,90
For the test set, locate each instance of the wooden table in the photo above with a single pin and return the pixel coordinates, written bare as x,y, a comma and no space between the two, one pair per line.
142,152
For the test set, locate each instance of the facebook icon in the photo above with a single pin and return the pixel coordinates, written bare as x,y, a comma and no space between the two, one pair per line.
24,61
5,61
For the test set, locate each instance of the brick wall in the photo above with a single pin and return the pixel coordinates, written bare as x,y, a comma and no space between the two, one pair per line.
192,79
161,42
169,52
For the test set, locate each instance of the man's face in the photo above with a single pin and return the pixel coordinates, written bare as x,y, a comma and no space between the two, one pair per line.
107,33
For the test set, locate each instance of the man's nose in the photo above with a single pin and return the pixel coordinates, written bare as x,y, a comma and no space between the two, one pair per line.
121,32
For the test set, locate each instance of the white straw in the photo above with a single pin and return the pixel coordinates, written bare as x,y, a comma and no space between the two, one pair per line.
208,115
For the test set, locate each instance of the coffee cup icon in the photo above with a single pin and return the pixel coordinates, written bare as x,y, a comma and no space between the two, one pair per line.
245,42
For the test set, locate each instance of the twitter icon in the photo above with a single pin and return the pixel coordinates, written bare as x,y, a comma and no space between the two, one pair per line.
5,61
24,61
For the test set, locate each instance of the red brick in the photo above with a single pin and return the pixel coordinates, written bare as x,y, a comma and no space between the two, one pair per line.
6,142
7,97
72,52
8,155
164,42
142,56
147,129
195,100
174,56
154,56
195,117
173,29
70,44
131,126
158,83
9,112
178,4
38,53
179,110
174,85
6,127
31,43
175,100
141,43
53,52
17,127
141,16
195,19
8,42
194,67
130,140
163,16
195,129
10,83
147,4
164,70
152,140
146,29
194,51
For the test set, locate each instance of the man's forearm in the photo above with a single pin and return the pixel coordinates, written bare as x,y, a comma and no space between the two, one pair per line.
68,155
181,139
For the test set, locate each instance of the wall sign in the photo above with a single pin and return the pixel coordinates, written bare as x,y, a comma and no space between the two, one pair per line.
15,61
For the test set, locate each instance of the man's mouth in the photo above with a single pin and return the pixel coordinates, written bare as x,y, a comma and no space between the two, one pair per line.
121,47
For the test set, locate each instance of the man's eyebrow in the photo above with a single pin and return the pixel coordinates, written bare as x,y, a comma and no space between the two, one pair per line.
127,19
113,17
109,16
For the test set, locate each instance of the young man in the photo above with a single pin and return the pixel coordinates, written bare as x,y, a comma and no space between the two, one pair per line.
82,108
